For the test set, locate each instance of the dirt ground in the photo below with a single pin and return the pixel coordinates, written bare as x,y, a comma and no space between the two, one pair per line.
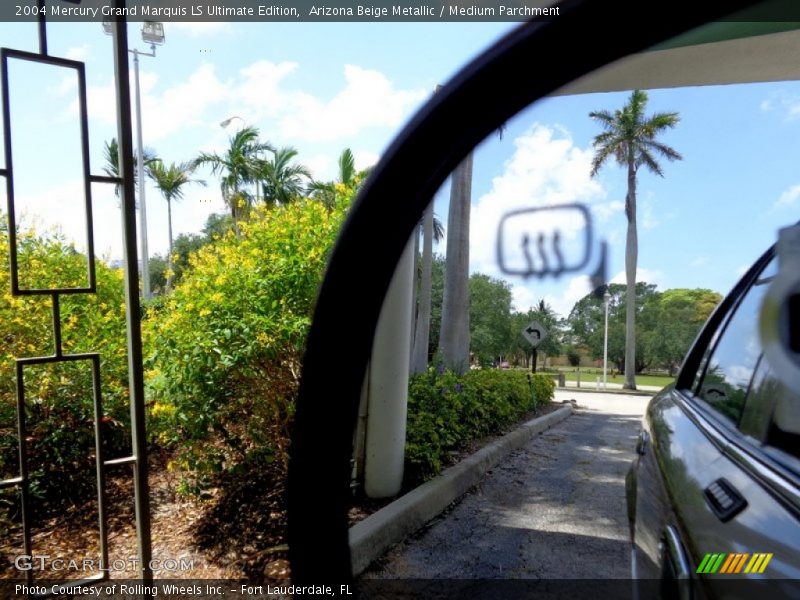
235,530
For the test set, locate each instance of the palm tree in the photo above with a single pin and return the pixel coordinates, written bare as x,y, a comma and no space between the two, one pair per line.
347,167
348,176
170,181
281,180
454,333
111,168
432,231
237,168
630,137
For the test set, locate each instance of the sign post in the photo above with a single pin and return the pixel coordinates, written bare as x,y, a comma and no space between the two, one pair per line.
535,333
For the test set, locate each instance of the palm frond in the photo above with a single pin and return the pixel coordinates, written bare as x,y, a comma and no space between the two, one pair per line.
347,166
645,158
601,156
666,151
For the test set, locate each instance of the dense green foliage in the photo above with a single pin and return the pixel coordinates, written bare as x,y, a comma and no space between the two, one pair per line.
59,410
446,410
550,346
489,318
184,246
227,342
667,323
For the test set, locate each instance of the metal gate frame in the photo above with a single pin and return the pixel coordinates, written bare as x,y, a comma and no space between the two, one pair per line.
138,457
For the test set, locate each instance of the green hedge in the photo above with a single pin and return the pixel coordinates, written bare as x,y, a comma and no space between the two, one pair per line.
446,410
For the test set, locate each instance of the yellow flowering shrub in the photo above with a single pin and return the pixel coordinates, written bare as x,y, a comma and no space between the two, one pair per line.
59,408
227,343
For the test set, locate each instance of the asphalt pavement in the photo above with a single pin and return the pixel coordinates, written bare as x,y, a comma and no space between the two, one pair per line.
555,509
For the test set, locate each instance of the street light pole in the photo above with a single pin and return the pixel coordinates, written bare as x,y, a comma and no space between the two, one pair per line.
152,33
606,298
140,175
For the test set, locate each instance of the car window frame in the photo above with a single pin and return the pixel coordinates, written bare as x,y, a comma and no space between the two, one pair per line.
764,463
705,344
754,277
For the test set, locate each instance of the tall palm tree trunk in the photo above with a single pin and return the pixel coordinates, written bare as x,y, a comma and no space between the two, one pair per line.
419,358
631,258
234,212
454,335
414,297
169,256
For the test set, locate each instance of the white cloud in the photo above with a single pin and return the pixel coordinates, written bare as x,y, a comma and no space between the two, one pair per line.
606,210
645,275
181,105
80,53
648,217
322,167
101,103
616,238
368,99
101,99
700,261
68,85
525,297
742,269
163,113
365,159
576,289
788,199
196,29
788,104
61,208
260,89
546,169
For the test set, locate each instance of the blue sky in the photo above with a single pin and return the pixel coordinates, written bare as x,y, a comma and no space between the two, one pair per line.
324,86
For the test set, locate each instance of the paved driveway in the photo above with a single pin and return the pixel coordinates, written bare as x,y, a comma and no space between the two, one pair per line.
553,509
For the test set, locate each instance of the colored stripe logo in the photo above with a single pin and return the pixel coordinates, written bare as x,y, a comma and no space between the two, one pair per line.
723,563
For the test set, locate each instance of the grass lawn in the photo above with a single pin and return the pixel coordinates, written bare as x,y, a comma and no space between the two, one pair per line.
590,376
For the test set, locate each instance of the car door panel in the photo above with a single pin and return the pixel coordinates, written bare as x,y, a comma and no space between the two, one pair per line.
690,454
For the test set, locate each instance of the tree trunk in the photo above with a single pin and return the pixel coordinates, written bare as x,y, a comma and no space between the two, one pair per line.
169,256
454,335
419,359
414,297
631,257
232,201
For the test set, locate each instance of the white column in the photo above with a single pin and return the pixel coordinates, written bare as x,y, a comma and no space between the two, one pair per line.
388,385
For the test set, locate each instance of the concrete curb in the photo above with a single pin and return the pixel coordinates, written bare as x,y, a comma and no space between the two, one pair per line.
370,538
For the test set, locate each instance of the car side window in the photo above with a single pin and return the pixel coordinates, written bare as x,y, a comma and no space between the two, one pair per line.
724,383
773,412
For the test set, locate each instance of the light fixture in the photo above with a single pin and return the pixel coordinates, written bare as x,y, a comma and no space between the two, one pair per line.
229,120
153,33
